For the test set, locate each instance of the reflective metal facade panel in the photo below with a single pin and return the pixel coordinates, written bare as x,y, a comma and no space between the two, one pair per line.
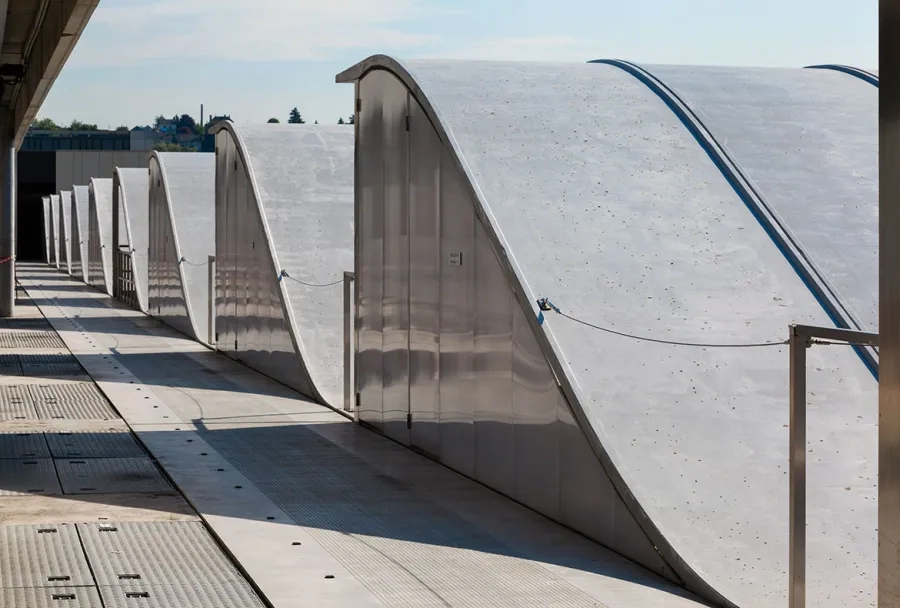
284,199
577,183
182,237
100,248
131,197
54,230
809,141
80,231
65,223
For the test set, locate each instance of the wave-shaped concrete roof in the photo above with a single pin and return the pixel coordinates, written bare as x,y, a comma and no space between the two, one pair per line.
600,198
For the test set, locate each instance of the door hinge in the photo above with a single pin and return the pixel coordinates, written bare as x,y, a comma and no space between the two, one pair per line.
235,344
409,420
407,123
217,337
357,399
358,105
235,164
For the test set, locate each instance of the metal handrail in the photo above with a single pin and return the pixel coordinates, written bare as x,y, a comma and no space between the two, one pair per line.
801,337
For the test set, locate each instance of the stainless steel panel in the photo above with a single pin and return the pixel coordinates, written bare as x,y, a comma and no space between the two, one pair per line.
424,281
534,395
495,462
370,285
395,260
65,167
457,318
889,308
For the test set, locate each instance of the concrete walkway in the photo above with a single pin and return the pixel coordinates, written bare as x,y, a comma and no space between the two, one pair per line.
315,509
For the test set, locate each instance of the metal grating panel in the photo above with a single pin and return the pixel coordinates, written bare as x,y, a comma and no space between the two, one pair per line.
56,364
56,597
24,323
236,594
30,339
28,476
71,400
110,476
97,444
42,556
16,403
160,553
9,365
23,445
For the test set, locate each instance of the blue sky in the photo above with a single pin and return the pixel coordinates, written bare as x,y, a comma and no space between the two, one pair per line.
254,59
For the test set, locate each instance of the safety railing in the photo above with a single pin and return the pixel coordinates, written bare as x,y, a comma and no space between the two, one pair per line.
123,287
801,338
349,278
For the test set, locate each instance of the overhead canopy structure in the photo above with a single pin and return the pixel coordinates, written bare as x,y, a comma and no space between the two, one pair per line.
131,235
100,249
584,185
80,231
45,200
870,76
182,237
54,230
36,37
281,251
65,223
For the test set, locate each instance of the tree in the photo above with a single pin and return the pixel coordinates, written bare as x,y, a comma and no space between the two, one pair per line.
352,119
295,118
165,146
341,121
77,125
158,120
121,128
186,121
273,121
45,124
316,122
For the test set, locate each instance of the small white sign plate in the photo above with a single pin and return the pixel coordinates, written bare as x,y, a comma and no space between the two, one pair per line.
456,258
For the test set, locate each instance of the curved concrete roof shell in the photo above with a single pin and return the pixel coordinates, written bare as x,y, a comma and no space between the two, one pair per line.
870,76
599,197
100,245
54,230
134,196
302,179
65,230
80,230
808,140
186,189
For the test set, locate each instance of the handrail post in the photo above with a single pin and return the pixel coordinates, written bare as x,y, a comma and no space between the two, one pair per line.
348,331
211,301
798,342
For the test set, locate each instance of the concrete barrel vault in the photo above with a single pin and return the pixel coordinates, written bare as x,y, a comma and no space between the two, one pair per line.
581,184
182,237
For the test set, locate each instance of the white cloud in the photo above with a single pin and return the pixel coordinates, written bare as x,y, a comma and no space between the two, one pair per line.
257,30
538,48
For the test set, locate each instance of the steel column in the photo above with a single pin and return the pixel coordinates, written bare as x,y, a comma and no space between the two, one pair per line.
8,236
797,476
211,301
889,306
348,332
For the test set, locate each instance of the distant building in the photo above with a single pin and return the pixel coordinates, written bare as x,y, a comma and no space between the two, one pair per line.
166,126
64,139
